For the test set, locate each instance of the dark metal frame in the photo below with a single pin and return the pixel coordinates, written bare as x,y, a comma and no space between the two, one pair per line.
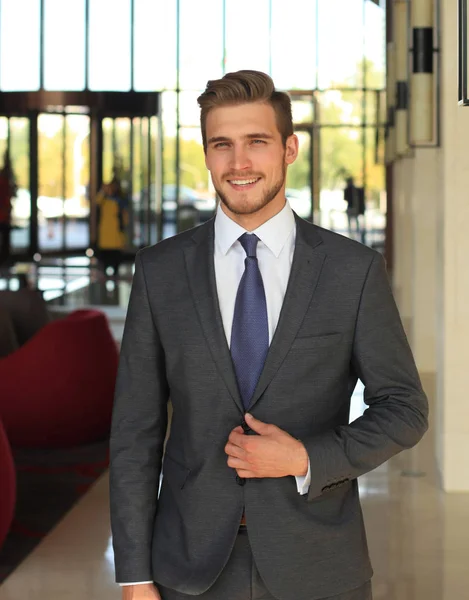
463,75
437,79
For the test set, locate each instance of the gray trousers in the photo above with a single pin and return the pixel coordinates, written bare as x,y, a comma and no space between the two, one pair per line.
240,580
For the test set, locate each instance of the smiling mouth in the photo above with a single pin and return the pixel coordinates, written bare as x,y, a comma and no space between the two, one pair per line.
243,184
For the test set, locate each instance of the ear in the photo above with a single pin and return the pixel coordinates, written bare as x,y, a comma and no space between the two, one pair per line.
291,150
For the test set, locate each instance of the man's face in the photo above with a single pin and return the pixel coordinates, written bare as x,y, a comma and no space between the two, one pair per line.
246,157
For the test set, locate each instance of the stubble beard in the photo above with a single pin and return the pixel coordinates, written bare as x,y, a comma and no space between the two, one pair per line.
252,206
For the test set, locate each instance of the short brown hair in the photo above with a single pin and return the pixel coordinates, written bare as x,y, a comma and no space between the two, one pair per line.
242,87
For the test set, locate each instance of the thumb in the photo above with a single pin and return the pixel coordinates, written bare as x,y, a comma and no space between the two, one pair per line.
256,425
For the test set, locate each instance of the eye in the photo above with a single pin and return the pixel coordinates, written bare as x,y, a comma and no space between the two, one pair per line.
258,142
220,144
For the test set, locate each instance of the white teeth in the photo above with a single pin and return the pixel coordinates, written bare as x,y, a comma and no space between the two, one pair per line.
244,181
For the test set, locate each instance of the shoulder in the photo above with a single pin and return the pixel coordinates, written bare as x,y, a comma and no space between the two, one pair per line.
335,245
340,245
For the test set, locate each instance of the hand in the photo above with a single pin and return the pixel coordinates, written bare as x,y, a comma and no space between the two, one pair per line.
272,453
140,591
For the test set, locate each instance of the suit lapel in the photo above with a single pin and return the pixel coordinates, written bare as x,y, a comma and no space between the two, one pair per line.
305,271
200,266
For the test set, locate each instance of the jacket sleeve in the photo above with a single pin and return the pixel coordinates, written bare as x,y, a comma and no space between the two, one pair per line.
397,413
138,431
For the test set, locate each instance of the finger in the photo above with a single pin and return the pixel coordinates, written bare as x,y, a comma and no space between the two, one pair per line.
245,473
258,426
236,463
234,451
236,438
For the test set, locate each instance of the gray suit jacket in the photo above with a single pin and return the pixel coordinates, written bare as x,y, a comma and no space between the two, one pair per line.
339,322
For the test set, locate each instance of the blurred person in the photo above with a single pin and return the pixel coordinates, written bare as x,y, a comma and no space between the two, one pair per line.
352,200
258,325
7,192
112,223
355,198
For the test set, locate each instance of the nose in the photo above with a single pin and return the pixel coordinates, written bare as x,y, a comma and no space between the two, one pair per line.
239,159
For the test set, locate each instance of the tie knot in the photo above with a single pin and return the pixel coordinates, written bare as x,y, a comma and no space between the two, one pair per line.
249,242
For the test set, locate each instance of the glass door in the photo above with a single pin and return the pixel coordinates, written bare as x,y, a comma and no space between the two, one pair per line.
14,147
77,202
63,182
21,201
129,155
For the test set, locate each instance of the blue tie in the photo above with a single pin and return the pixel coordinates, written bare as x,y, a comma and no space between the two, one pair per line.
250,331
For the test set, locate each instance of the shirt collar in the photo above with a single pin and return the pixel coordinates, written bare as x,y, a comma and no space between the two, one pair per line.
274,233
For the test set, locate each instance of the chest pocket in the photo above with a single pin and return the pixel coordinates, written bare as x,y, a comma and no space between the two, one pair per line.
313,342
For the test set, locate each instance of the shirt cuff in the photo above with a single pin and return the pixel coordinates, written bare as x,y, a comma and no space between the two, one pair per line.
135,583
303,482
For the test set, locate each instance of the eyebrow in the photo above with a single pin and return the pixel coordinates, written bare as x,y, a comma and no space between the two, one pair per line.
249,136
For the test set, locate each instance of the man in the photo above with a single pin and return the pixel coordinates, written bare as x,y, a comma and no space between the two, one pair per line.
259,311
7,191
355,198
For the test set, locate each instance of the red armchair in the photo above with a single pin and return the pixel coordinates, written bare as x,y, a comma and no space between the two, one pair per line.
58,389
7,486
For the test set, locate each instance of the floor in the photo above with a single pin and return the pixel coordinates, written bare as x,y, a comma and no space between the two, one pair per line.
418,538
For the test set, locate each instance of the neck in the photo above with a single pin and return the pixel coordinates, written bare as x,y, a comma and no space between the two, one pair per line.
253,221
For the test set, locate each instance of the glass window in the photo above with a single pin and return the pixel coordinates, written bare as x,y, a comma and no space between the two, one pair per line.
21,202
77,204
247,35
294,64
302,109
3,137
201,42
373,108
375,171
168,105
189,110
155,180
298,188
375,46
20,45
155,45
108,149
341,156
340,107
50,200
64,35
169,124
196,190
194,174
137,205
382,110
375,188
64,45
340,43
145,173
123,143
110,45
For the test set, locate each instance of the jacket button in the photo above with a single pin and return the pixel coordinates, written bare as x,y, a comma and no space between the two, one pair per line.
245,427
240,480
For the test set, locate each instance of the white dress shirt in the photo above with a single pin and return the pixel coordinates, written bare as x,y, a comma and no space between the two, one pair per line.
275,255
